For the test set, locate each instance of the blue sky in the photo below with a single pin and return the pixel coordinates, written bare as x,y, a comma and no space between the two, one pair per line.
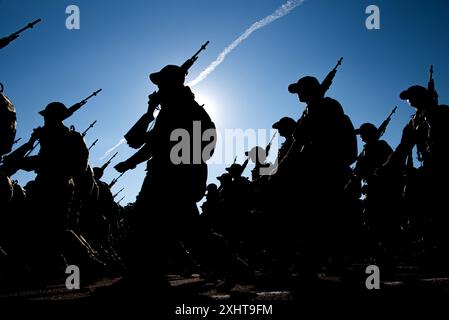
121,42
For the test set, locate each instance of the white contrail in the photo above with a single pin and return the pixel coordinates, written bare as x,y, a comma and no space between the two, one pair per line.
278,13
112,149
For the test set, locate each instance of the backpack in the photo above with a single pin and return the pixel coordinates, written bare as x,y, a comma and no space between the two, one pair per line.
208,132
78,156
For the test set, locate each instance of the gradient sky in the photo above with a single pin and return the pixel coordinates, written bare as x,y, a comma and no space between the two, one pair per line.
121,42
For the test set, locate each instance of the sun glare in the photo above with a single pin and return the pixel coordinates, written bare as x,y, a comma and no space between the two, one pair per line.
210,105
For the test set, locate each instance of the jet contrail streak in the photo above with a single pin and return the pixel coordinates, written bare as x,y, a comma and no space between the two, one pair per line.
112,149
278,13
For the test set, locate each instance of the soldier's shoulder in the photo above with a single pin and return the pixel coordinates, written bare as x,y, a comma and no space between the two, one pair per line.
332,105
75,134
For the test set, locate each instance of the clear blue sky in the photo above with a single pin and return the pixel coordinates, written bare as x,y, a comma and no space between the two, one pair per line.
121,42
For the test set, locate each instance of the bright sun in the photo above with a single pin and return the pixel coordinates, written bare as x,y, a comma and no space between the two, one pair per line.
210,106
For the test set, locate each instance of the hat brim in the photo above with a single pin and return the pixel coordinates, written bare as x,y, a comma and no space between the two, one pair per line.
293,88
156,78
405,95
357,131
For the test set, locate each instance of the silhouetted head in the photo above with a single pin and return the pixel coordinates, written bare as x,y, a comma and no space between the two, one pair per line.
170,76
417,96
257,155
368,132
285,126
54,113
211,189
235,170
224,178
308,89
98,173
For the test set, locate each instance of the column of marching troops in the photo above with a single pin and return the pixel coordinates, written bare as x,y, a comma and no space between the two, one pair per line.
66,215
321,206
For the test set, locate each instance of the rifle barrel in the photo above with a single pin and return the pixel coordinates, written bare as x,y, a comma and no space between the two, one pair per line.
338,63
272,138
28,26
93,94
114,181
393,111
88,128
94,143
115,154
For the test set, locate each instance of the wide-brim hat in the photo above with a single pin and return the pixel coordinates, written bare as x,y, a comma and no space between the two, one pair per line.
285,122
55,110
414,91
366,127
304,83
168,74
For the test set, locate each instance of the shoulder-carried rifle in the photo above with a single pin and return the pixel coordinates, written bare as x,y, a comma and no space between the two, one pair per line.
7,40
384,125
135,137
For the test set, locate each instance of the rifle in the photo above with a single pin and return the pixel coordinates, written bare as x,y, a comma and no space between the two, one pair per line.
189,62
88,128
103,167
325,85
135,137
78,105
115,195
7,40
9,162
114,181
15,141
383,126
327,82
93,143
267,149
118,202
431,86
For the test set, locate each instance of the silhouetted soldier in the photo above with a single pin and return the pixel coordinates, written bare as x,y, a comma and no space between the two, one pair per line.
225,179
374,154
325,146
264,192
285,126
258,156
62,156
378,226
165,209
427,191
427,131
